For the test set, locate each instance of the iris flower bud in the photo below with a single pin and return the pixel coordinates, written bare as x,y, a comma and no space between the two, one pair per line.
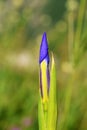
47,103
44,69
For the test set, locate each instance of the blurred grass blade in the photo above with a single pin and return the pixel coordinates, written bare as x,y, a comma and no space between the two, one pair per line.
79,28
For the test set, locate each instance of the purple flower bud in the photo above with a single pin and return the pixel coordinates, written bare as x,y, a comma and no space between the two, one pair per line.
44,67
44,55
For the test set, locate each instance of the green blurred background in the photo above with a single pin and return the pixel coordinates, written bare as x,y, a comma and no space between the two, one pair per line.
22,23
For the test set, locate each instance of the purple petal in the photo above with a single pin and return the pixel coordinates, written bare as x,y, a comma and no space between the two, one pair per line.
44,55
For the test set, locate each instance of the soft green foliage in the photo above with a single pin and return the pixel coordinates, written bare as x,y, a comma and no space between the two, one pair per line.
22,23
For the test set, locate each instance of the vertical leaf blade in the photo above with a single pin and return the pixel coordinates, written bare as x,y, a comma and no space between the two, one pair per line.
52,103
41,117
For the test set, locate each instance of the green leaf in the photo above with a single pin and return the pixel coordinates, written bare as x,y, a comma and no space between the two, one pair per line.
41,115
52,102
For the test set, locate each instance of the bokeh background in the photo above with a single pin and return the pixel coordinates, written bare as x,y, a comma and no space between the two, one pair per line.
22,23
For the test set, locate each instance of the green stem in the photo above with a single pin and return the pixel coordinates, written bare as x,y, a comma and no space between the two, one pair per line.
70,35
79,29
